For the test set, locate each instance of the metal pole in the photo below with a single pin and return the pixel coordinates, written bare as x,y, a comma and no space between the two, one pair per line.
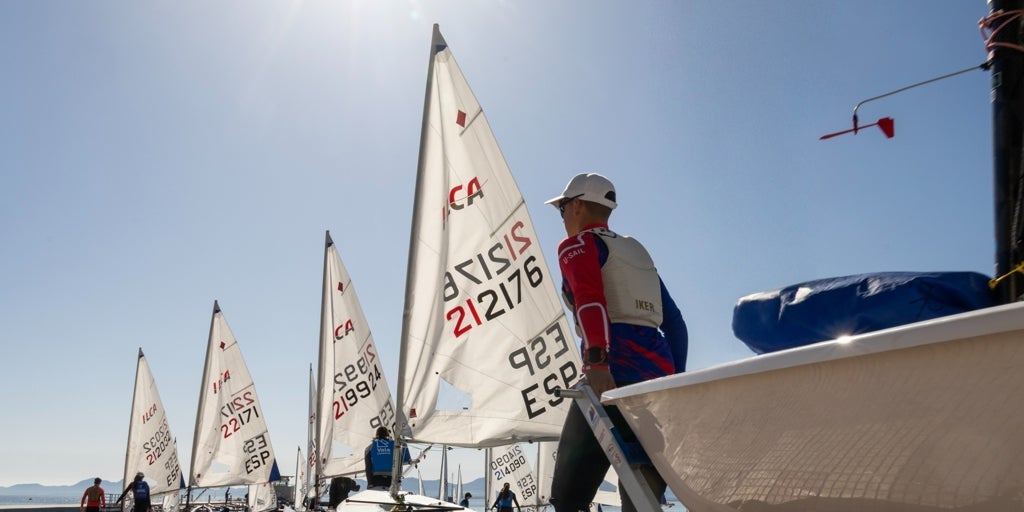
1007,123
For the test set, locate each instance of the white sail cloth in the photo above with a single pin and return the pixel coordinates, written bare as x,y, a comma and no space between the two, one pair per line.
508,464
301,484
261,497
354,399
231,444
152,449
482,313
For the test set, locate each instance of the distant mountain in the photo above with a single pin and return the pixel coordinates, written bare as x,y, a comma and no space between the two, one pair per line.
75,490
72,491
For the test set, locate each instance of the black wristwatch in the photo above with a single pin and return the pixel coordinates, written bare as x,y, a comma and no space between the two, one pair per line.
596,355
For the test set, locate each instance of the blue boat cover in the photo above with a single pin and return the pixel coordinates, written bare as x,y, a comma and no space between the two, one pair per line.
826,309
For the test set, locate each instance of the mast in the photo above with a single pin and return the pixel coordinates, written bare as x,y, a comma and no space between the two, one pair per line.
321,378
131,418
442,483
199,409
437,41
312,429
1007,134
488,456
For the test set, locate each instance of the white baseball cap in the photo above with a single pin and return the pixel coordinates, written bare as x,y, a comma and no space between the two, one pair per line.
589,187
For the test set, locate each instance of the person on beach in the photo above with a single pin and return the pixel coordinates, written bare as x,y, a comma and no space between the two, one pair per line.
631,331
505,500
93,498
140,493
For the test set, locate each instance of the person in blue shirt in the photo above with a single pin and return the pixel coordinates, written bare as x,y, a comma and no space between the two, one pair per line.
505,500
465,500
140,493
378,459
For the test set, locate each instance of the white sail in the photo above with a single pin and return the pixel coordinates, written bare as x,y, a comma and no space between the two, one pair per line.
481,311
442,483
151,447
546,453
262,497
419,477
171,501
608,493
309,483
354,398
458,486
231,444
509,464
301,483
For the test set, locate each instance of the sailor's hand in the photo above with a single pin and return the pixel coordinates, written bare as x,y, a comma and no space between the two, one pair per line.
600,379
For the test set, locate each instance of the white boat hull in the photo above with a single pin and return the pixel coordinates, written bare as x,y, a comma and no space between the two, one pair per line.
377,500
923,417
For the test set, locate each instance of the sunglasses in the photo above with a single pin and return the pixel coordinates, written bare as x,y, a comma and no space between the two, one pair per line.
564,202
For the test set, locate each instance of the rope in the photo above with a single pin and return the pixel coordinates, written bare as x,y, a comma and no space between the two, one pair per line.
989,34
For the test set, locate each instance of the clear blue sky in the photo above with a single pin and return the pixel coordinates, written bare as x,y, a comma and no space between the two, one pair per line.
155,156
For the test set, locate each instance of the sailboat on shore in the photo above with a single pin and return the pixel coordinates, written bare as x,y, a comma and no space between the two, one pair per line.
261,497
482,316
353,398
301,483
152,449
231,445
482,322
920,417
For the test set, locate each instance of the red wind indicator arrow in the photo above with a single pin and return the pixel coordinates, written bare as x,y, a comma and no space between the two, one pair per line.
886,124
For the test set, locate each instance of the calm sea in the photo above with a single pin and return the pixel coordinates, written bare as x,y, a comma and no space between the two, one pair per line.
37,500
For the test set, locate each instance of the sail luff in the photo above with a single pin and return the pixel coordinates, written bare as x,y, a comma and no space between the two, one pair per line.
131,423
202,401
321,378
401,420
488,489
458,486
311,433
300,481
442,482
